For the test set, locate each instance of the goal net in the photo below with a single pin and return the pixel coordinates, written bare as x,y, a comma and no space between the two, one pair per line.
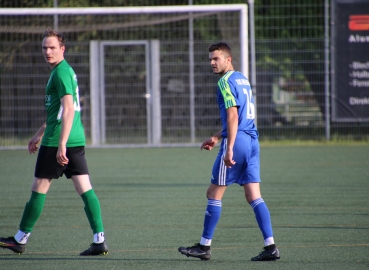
143,72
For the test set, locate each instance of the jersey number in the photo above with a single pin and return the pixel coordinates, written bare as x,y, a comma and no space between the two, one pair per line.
250,107
76,105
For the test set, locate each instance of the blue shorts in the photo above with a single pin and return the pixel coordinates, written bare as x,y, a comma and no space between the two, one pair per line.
246,154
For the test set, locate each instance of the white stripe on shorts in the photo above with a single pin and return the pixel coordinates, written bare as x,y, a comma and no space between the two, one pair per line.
222,168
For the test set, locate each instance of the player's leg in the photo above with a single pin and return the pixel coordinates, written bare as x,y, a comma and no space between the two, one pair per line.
31,213
213,210
46,168
253,197
77,170
92,208
33,208
261,211
211,218
262,215
92,205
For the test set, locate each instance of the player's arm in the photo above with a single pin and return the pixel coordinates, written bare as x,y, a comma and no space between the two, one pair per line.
210,142
232,127
67,117
33,143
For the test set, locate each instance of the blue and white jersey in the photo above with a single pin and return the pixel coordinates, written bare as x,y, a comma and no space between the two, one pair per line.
234,90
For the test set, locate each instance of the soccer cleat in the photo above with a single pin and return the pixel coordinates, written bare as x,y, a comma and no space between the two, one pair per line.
196,252
11,244
267,255
95,249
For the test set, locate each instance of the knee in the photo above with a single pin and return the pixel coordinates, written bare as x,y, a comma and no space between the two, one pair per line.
208,194
252,196
249,198
41,185
252,192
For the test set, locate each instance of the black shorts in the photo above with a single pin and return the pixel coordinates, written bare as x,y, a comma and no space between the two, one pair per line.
48,167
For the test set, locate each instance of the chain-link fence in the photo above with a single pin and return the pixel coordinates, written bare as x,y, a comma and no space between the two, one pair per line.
290,72
127,97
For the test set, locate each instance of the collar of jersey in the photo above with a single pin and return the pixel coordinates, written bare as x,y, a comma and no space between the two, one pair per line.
227,74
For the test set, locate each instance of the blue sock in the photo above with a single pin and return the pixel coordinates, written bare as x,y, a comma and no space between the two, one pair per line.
212,216
262,217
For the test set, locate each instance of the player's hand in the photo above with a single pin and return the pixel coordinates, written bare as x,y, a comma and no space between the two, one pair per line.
228,159
33,144
209,143
61,155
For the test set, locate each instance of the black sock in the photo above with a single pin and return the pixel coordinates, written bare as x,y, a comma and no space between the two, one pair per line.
270,247
204,248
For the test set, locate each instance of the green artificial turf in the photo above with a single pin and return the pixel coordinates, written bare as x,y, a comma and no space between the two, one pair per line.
153,201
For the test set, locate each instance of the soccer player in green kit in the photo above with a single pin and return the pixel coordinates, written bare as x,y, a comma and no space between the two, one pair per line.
62,150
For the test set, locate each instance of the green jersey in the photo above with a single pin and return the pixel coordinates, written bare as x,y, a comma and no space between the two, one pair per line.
62,81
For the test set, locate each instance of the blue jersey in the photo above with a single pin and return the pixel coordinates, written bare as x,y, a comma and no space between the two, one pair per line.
234,90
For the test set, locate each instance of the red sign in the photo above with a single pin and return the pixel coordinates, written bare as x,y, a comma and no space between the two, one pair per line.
359,23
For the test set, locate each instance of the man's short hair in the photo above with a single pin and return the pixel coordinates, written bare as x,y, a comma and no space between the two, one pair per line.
221,46
52,33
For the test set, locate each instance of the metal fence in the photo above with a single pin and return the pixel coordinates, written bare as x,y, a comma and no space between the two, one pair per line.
290,74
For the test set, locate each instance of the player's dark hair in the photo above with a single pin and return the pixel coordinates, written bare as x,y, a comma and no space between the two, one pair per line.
52,33
220,46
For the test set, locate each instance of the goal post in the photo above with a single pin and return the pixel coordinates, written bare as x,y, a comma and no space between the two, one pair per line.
241,8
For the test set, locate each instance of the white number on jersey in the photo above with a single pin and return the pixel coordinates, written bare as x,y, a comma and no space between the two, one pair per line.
77,106
250,107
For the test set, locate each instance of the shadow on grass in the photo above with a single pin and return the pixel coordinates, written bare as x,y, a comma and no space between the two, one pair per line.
157,185
39,258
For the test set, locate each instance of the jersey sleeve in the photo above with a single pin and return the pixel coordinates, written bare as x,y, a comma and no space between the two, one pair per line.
63,82
225,89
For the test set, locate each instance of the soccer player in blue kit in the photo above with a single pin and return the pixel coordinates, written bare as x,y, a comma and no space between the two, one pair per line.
238,158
